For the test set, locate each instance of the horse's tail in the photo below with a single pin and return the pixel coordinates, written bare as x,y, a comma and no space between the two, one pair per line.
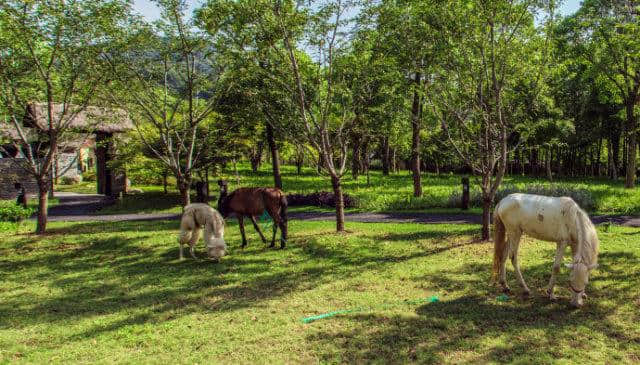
283,215
187,224
499,245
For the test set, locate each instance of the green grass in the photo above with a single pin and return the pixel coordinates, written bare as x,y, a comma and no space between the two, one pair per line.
386,193
115,292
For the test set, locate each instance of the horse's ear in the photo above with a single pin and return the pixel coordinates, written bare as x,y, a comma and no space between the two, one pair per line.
569,266
593,266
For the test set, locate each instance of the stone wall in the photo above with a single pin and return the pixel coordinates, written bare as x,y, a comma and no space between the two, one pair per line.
11,171
68,165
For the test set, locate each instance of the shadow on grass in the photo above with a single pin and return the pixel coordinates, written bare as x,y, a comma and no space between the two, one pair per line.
478,328
120,270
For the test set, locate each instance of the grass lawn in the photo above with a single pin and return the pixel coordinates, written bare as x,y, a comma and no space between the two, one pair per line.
115,292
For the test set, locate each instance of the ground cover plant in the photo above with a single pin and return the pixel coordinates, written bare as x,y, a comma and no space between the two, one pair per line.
442,192
115,292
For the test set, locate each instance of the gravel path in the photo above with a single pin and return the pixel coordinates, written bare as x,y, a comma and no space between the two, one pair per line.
79,207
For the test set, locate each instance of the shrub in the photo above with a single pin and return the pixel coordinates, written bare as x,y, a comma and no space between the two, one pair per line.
581,196
89,175
11,212
68,180
320,199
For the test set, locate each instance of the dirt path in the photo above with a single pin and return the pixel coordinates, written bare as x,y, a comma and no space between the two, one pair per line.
80,207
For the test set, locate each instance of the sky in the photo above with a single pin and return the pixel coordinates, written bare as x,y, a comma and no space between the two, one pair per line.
150,11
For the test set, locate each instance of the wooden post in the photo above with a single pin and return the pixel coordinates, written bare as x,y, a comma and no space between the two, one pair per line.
465,193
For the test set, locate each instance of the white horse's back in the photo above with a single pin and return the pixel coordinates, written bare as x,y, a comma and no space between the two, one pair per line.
541,217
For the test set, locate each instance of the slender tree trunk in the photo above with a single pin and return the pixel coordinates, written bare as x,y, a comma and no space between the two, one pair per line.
43,198
184,188
394,163
355,157
415,140
630,179
320,162
337,191
206,182
385,156
548,165
275,157
486,216
165,176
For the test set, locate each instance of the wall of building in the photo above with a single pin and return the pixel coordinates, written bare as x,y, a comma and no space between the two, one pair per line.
12,171
67,165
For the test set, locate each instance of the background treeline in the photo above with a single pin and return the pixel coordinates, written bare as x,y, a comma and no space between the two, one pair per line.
469,86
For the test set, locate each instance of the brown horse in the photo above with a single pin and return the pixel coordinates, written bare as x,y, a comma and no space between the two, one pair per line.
252,202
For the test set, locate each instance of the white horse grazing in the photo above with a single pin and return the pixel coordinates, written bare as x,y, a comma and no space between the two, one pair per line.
199,215
557,220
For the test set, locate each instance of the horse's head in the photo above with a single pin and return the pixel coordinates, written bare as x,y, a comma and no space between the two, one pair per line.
216,248
579,279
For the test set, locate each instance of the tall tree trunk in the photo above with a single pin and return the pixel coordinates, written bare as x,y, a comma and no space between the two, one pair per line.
277,178
394,163
165,176
256,156
385,156
43,198
184,188
415,140
548,165
320,162
630,179
355,156
206,182
486,216
337,191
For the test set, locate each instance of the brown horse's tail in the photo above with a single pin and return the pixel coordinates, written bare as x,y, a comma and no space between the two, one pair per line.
283,216
499,245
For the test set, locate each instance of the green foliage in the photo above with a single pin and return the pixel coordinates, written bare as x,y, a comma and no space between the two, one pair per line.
89,175
11,212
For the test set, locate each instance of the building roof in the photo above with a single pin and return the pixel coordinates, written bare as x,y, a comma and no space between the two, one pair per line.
91,119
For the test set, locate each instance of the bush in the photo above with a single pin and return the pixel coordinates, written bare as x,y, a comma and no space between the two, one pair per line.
68,180
11,212
581,196
89,175
320,199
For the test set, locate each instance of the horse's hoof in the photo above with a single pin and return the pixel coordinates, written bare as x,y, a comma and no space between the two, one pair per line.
272,245
526,294
506,290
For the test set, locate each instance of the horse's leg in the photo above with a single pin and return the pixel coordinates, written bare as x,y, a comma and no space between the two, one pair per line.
275,215
184,238
192,242
502,272
241,225
556,268
257,227
514,245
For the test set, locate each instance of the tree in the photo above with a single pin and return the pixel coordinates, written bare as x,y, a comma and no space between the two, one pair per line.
52,52
167,76
476,86
607,34
328,111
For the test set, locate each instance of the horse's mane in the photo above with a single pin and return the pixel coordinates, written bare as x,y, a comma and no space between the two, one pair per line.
588,246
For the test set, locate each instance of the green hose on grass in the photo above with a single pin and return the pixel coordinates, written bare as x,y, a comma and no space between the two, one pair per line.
431,299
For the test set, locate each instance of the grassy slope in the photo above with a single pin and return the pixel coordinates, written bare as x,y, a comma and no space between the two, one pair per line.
386,193
114,292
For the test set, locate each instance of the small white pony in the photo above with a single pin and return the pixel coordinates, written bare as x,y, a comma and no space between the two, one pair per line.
199,215
557,220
